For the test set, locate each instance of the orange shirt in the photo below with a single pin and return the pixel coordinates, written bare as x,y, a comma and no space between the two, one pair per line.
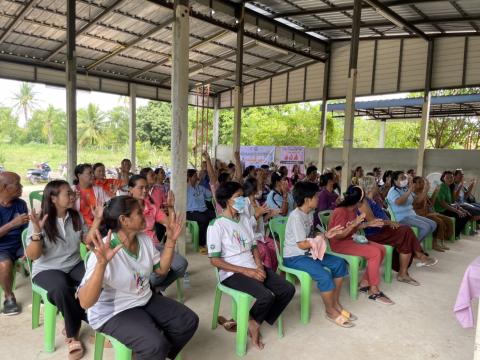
88,202
109,185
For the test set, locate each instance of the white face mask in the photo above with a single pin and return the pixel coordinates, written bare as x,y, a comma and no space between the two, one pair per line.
404,183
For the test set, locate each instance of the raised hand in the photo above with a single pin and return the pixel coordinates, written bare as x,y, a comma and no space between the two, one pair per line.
170,199
261,210
36,221
102,249
359,219
98,211
331,233
174,227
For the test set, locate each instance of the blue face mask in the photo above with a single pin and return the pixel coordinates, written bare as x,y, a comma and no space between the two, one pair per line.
239,204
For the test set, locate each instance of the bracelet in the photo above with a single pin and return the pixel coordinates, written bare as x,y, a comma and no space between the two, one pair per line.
40,238
37,234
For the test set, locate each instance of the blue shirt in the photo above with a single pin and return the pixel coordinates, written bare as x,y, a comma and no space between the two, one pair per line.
196,197
12,241
275,201
378,213
400,211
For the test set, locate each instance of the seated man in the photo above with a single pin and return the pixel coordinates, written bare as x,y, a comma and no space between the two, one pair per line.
197,208
312,174
13,220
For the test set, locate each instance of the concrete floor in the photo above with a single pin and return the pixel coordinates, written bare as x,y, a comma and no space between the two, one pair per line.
420,326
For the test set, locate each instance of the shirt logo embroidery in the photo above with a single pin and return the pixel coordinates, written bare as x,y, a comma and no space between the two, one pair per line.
242,241
140,281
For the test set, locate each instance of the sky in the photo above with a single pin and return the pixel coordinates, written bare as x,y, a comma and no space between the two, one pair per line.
56,96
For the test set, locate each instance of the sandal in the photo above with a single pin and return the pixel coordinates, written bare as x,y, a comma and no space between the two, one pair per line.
229,325
377,298
75,349
364,289
340,321
408,280
348,315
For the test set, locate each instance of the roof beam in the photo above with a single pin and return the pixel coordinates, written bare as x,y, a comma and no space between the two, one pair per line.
122,48
253,35
17,20
432,21
87,27
394,18
335,9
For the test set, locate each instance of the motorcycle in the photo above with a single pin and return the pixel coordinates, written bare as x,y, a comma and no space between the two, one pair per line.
42,173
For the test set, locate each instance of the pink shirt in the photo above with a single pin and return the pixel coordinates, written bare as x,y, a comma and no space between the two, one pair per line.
152,214
469,289
159,196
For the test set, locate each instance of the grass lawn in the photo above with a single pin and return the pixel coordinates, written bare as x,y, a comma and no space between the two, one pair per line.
18,158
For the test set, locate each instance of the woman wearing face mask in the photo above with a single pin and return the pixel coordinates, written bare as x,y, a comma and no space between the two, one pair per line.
345,215
232,249
445,205
400,199
279,197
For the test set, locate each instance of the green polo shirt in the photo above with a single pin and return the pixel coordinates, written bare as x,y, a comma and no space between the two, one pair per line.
444,194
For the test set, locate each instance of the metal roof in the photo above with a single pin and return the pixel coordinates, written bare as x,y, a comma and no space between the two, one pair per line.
411,108
131,41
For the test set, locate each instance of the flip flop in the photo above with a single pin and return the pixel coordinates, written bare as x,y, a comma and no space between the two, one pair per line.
340,321
229,325
75,350
408,281
348,315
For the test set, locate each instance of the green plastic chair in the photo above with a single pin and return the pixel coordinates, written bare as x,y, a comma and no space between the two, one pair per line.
50,311
241,302
277,226
356,263
427,242
121,351
35,195
470,228
195,232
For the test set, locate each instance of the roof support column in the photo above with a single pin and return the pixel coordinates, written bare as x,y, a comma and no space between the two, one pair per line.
216,124
179,142
323,119
381,140
132,126
238,91
350,98
71,85
425,112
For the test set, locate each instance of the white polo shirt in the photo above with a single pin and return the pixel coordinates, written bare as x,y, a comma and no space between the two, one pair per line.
125,282
232,241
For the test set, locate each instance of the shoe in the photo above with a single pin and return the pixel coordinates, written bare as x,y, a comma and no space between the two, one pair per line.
429,262
10,307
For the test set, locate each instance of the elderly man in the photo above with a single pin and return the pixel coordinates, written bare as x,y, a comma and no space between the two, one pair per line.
13,220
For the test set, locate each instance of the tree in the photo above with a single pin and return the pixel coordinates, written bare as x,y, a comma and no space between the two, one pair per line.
92,124
117,134
53,119
25,99
9,130
154,123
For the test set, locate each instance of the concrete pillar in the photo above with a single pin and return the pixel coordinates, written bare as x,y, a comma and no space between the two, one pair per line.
132,126
425,111
350,98
179,142
71,87
381,140
238,90
323,119
216,126
423,132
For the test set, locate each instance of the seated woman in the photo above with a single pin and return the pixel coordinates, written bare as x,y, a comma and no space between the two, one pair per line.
329,270
116,290
400,199
422,204
345,215
232,249
463,192
279,197
109,185
445,205
197,208
160,178
296,174
88,195
53,244
401,237
258,216
138,188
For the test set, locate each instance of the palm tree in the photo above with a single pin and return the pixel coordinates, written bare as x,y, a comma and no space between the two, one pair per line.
50,117
91,122
25,99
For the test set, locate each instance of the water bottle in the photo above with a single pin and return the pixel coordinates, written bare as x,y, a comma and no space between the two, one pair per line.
186,280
